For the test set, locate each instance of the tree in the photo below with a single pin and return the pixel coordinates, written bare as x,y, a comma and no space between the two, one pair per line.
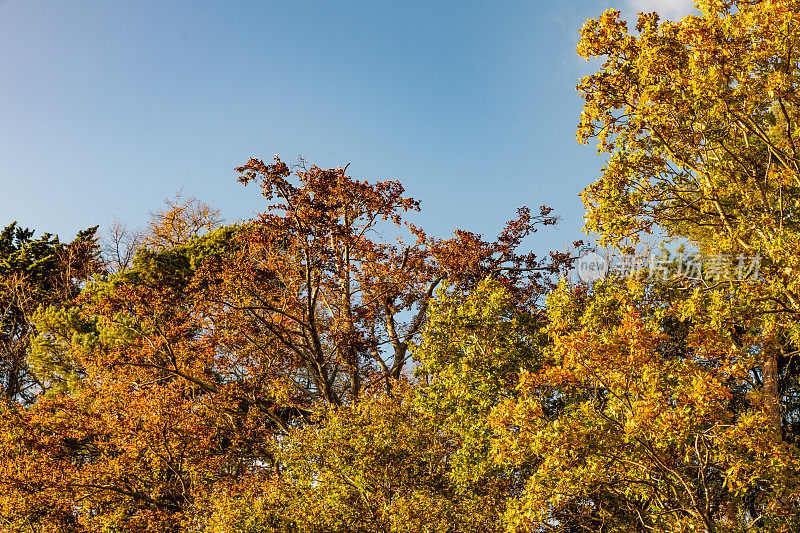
320,309
379,465
672,408
180,222
471,353
699,119
647,417
230,360
121,245
35,272
137,423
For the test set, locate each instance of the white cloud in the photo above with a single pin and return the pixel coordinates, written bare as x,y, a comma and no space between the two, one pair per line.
670,9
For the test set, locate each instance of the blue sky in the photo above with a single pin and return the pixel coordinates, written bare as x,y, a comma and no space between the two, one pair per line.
108,108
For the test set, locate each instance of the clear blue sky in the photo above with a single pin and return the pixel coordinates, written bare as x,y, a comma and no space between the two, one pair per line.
107,108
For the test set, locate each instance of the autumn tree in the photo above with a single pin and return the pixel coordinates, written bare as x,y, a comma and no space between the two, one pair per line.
471,353
178,223
379,465
137,419
699,119
673,408
419,457
647,416
200,369
320,308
